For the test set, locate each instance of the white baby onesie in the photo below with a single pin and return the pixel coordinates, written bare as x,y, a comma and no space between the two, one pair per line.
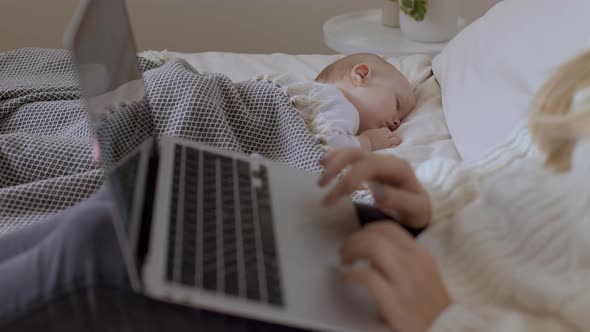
337,120
326,111
330,115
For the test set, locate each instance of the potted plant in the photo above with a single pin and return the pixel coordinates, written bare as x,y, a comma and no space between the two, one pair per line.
428,21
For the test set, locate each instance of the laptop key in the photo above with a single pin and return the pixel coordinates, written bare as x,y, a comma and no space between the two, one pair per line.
173,214
189,229
248,231
209,222
229,217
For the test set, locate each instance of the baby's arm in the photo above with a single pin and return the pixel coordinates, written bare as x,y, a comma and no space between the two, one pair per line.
365,142
337,140
377,139
338,122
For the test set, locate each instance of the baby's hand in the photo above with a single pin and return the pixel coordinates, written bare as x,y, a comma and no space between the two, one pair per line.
381,138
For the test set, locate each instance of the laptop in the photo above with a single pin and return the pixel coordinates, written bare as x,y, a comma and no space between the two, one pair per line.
204,227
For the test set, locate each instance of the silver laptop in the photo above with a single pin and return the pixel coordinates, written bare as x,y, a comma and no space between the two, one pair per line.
205,227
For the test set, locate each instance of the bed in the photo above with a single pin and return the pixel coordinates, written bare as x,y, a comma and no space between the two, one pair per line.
469,98
32,192
424,132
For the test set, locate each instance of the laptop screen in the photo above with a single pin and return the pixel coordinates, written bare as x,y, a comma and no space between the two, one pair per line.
113,89
111,81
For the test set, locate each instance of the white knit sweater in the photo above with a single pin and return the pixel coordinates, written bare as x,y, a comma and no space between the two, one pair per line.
511,240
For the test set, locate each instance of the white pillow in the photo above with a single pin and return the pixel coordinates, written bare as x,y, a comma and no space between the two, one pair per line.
490,71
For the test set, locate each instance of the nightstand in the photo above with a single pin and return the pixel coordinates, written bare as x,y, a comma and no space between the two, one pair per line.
363,32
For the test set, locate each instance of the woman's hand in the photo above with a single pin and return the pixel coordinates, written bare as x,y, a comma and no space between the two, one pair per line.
403,278
392,182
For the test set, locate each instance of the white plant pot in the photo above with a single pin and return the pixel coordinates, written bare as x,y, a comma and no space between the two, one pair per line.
390,13
440,23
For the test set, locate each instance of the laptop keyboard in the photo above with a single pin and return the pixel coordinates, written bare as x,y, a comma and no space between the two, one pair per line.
221,233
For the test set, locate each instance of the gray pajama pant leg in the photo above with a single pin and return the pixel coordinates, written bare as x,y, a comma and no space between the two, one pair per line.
74,249
23,239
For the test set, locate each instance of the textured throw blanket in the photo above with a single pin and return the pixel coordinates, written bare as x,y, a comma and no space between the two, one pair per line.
45,154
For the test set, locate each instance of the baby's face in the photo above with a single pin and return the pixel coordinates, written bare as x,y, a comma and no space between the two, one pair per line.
384,102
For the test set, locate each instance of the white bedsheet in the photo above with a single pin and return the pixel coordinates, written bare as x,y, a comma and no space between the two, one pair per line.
424,132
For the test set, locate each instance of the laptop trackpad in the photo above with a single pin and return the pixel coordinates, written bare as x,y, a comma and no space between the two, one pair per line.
309,240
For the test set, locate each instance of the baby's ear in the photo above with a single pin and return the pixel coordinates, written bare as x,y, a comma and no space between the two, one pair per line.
360,74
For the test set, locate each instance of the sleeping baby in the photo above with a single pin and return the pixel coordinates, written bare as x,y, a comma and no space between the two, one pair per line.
364,99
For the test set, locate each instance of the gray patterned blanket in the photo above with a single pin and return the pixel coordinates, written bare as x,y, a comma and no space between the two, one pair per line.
45,154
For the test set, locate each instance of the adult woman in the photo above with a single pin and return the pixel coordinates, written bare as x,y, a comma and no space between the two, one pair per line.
509,236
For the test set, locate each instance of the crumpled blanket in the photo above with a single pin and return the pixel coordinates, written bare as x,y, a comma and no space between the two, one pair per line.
45,150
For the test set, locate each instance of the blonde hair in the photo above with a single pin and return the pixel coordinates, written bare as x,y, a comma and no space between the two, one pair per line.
554,127
339,69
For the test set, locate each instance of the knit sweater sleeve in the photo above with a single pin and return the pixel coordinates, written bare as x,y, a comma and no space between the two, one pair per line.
452,184
449,184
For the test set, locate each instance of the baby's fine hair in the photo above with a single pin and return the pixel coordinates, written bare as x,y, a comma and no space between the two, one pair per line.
554,128
342,67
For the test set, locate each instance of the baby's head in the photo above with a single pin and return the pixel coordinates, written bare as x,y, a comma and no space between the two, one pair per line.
381,94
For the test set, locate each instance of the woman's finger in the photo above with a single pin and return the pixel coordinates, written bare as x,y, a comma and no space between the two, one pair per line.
414,209
337,161
360,172
374,247
330,153
381,291
387,169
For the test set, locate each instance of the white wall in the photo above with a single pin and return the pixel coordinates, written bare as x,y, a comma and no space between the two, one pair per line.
250,26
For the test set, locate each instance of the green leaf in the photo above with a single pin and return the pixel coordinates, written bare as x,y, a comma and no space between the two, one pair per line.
420,8
406,6
415,8
409,4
